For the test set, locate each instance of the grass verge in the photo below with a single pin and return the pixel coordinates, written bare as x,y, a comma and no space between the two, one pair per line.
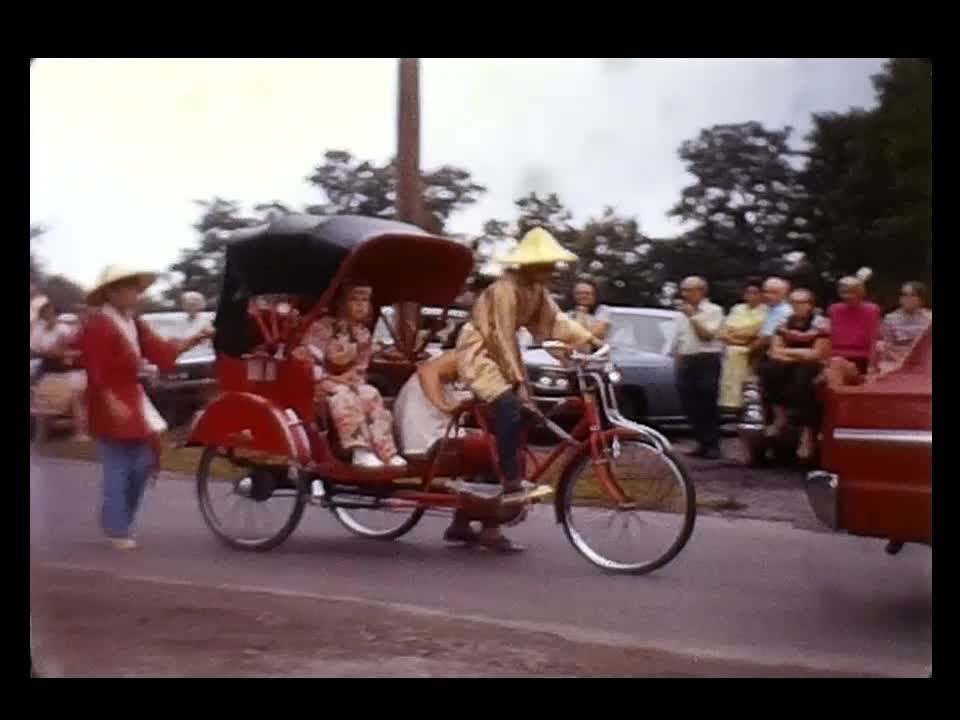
184,460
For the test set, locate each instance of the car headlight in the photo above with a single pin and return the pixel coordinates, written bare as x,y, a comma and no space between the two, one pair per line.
562,384
614,377
545,381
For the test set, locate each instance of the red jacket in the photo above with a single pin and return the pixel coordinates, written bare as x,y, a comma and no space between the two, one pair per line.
112,365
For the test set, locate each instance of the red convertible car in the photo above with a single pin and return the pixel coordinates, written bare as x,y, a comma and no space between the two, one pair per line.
876,463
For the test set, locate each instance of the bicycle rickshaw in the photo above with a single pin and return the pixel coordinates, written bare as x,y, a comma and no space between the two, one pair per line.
269,449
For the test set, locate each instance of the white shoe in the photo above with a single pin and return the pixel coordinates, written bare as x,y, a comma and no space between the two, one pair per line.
363,458
397,462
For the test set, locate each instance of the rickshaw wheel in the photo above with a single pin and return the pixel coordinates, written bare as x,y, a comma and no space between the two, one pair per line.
656,520
268,499
364,521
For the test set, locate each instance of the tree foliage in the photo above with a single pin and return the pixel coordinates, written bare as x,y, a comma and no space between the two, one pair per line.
351,186
743,206
869,182
859,194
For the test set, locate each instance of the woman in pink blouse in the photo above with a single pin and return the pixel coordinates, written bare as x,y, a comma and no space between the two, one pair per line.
854,324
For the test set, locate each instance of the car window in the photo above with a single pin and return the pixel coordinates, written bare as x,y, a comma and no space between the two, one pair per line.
455,317
648,333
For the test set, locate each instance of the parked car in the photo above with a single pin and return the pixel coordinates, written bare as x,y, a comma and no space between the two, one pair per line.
179,392
640,339
875,475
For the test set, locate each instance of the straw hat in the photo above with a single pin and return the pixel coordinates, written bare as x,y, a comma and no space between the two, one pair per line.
538,247
113,274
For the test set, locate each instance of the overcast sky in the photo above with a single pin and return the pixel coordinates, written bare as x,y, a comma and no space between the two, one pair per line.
120,148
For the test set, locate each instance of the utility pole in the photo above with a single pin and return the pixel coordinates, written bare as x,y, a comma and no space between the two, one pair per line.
409,191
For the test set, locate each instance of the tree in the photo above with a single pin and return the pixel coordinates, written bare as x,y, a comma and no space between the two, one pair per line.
350,186
201,268
615,254
744,204
869,183
65,294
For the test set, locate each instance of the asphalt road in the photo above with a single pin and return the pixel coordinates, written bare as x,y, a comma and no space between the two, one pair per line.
744,590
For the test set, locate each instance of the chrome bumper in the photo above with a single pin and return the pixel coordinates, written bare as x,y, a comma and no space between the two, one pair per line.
822,492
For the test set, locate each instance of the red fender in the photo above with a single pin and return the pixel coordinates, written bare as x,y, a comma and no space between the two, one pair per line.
251,422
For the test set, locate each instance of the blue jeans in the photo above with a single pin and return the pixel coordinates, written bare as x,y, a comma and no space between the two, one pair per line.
507,427
126,467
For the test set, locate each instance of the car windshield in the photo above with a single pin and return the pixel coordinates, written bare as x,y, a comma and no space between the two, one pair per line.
382,335
174,325
648,333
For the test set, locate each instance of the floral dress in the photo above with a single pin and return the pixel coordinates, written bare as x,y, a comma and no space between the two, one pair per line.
342,350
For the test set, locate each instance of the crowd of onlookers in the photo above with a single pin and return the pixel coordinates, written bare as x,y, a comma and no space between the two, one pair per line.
56,362
779,336
58,377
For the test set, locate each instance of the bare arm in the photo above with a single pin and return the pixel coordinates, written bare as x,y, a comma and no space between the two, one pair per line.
706,325
433,375
820,351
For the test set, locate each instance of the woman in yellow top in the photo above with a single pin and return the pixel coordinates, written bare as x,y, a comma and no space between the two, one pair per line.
741,328
488,355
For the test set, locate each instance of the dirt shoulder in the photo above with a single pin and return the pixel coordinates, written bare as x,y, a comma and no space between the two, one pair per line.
91,624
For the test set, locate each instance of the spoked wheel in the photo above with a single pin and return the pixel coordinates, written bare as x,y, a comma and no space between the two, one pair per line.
379,519
644,532
249,506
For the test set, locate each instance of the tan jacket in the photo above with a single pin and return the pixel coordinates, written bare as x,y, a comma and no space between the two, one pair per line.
489,359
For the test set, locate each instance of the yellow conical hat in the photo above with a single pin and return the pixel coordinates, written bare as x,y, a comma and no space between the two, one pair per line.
538,247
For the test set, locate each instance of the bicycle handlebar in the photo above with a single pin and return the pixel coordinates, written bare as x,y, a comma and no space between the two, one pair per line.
598,355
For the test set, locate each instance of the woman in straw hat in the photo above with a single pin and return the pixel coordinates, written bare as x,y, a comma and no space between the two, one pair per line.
116,344
489,360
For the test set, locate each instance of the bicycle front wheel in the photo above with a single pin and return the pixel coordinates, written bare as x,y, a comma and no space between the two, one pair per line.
645,529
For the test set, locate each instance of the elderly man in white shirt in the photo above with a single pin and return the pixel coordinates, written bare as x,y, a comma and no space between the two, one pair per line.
698,352
193,304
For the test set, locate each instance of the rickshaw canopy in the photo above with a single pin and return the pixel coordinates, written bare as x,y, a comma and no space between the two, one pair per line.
312,256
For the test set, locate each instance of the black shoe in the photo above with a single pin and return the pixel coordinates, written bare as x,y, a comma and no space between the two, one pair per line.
712,454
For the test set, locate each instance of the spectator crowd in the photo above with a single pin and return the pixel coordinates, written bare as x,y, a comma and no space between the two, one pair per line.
779,336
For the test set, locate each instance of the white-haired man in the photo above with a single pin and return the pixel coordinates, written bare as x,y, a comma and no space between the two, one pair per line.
698,351
193,304
775,292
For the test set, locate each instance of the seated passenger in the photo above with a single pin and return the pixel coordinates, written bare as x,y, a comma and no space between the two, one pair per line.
798,351
426,403
342,347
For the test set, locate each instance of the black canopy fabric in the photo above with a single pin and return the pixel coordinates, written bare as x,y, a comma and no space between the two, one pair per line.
292,255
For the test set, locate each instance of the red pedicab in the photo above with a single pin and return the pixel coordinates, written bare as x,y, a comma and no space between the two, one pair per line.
270,450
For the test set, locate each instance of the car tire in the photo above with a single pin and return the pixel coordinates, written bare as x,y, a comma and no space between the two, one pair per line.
632,404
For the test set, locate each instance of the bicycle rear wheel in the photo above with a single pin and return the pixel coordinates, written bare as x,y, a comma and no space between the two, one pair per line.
645,531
